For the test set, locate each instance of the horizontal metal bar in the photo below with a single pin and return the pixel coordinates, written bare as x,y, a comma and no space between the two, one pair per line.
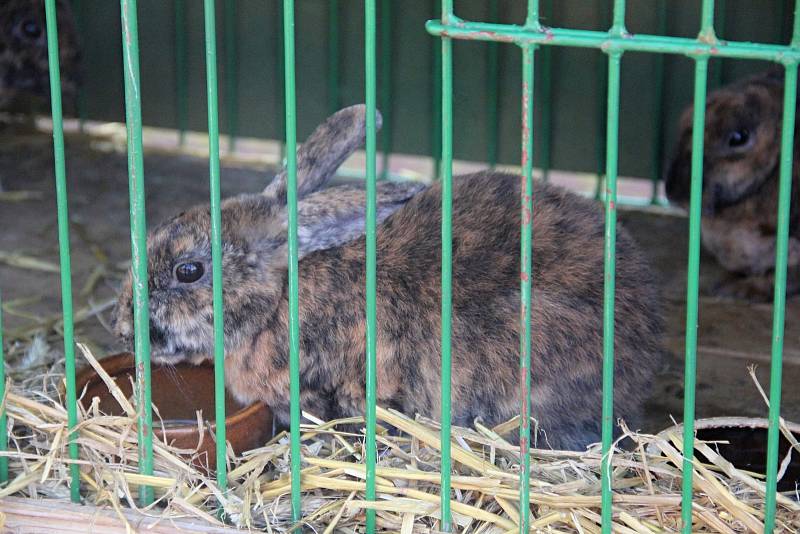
509,33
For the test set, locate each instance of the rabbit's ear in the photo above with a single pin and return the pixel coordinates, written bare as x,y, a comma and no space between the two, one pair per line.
325,150
337,215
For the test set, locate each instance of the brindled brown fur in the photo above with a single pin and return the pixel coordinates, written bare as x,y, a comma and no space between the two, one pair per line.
740,184
23,49
567,308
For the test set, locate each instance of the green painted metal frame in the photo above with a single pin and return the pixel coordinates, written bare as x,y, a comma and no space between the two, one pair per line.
141,307
65,263
614,43
291,202
216,239
530,37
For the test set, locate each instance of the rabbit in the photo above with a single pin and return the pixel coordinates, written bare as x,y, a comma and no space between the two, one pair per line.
567,304
740,184
23,51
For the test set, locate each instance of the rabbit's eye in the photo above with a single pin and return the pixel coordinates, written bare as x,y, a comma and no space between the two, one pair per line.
189,272
738,138
31,29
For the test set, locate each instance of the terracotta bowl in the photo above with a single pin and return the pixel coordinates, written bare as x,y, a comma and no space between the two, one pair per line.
179,392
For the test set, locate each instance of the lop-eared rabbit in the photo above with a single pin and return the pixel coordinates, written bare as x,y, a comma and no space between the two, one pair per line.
741,164
567,305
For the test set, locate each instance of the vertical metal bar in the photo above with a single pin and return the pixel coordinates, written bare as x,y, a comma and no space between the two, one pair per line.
436,104
447,254
216,239
291,203
612,151
181,72
231,74
658,103
526,275
3,419
492,90
63,239
602,98
707,21
141,315
532,18
370,73
546,99
386,86
698,124
333,56
618,25
779,307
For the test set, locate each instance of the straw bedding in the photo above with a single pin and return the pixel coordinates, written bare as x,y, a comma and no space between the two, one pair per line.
565,486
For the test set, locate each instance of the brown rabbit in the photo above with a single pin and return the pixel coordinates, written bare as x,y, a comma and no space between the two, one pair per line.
23,50
740,184
567,303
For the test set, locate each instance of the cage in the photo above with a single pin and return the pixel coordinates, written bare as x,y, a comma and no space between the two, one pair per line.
601,85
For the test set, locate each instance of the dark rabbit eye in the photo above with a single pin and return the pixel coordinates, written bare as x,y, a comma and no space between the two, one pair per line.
738,138
189,272
31,28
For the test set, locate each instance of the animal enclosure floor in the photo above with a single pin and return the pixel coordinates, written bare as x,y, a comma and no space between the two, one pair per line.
732,335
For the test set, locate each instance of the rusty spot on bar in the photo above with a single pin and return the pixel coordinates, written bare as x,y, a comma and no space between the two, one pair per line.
523,276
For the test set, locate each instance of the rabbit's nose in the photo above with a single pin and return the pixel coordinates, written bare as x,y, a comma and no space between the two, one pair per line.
712,195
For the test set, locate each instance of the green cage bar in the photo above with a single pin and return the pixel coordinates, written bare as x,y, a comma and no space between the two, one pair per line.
779,306
658,104
610,253
387,103
436,102
181,72
63,241
546,100
692,284
493,91
216,239
371,251
141,312
526,276
291,204
509,33
602,111
447,257
231,73
333,57
3,419
612,149
690,372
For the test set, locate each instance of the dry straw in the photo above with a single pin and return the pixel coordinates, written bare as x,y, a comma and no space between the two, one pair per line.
565,494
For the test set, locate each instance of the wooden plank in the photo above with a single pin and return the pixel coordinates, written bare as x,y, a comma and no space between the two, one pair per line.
40,516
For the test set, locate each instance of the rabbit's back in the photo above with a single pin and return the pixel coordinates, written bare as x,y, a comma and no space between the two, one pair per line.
566,312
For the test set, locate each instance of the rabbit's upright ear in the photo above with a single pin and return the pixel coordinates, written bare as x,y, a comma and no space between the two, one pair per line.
337,215
324,151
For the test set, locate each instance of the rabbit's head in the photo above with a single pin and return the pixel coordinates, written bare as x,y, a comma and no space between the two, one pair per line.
254,242
23,49
741,143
